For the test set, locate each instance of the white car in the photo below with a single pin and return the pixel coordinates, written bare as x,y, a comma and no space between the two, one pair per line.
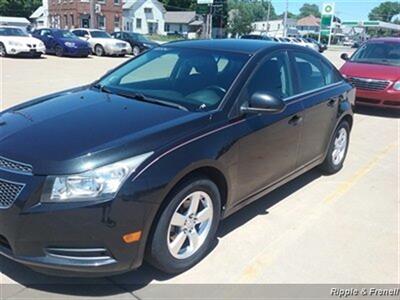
14,41
303,42
102,43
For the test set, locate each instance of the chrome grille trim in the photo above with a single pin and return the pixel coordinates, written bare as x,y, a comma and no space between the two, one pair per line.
15,166
9,192
369,84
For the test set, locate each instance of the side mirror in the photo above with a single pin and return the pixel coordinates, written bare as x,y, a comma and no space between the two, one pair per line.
86,36
264,103
345,56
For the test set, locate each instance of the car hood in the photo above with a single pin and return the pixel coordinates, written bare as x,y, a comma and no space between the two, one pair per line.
373,71
68,132
22,39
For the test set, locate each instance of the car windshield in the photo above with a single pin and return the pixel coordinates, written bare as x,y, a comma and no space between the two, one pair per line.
100,34
10,31
139,37
65,34
191,78
385,53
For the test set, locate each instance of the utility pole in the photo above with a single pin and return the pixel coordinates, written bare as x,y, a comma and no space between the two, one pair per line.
92,13
268,14
285,19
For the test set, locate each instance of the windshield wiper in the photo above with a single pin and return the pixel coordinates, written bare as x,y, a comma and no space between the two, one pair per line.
142,97
103,88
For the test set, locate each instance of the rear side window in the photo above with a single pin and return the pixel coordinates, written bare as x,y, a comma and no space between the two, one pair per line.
330,73
310,71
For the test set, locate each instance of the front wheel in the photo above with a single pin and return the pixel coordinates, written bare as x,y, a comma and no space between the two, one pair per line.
337,151
186,226
59,51
3,51
99,50
136,51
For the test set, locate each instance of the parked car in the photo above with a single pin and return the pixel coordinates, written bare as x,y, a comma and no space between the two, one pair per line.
375,70
255,37
138,42
321,47
102,43
62,42
150,157
14,41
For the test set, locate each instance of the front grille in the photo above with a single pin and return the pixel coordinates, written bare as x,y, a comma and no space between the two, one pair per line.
121,45
369,84
9,192
8,164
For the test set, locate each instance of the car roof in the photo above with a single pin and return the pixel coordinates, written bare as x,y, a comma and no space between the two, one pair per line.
227,45
385,39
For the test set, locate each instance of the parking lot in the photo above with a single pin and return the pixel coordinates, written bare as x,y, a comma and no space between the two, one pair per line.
316,229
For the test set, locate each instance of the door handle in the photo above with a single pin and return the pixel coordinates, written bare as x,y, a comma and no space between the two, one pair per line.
331,102
295,120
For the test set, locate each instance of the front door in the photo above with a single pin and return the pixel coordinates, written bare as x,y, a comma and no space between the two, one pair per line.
269,147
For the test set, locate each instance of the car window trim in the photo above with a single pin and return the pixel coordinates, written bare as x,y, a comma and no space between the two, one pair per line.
234,109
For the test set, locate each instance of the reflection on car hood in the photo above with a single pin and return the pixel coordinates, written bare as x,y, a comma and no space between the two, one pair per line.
62,133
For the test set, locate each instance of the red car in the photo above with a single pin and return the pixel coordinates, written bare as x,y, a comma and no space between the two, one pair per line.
375,71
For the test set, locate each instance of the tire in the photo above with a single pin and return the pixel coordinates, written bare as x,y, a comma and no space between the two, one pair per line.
3,51
59,51
99,50
160,251
136,51
333,162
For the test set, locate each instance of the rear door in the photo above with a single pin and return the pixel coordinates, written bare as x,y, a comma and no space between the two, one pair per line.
318,88
268,149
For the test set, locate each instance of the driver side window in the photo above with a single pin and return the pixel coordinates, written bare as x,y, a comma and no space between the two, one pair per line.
272,77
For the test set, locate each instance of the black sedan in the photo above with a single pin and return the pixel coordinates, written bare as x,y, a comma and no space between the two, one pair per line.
146,161
138,42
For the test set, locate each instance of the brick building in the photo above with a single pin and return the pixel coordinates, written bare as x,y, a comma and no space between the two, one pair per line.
67,14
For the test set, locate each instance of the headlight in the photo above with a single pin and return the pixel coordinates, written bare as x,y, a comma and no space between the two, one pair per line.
396,86
69,44
95,184
16,44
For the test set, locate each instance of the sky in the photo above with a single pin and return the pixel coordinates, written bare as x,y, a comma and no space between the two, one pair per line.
345,9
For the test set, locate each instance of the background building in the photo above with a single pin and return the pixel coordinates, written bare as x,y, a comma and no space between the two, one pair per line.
309,26
275,28
67,14
185,23
144,16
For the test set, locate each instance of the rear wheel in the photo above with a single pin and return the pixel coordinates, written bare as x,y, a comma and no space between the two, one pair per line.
337,151
3,51
99,50
186,226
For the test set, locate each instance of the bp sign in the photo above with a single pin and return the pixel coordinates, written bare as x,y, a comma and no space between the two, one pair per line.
328,10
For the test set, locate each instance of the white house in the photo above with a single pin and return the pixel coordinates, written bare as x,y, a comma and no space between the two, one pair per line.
186,23
144,16
275,28
40,17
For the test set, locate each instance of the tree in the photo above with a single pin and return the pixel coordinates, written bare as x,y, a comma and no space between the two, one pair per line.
385,11
240,20
18,8
176,5
309,9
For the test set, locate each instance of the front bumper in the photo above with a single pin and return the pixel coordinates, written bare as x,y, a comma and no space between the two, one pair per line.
113,50
389,98
72,239
72,51
24,50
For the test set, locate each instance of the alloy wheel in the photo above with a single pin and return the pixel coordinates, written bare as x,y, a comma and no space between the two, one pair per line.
340,145
136,51
3,51
190,225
